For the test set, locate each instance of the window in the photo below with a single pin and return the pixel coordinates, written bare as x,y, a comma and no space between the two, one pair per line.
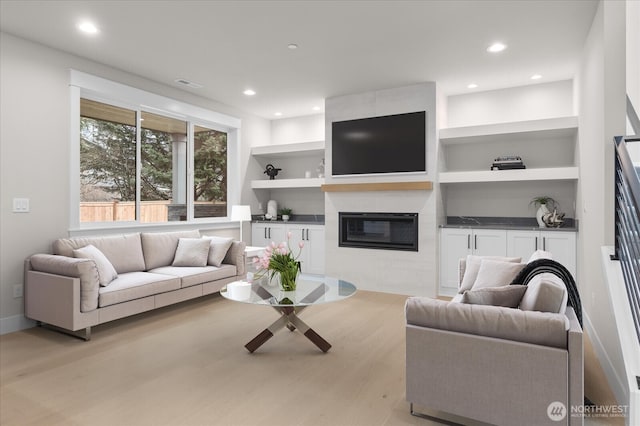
137,162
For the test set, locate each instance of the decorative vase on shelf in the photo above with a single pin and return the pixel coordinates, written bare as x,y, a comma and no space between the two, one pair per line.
542,211
285,217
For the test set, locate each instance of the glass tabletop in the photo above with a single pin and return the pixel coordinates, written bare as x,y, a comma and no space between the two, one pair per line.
310,290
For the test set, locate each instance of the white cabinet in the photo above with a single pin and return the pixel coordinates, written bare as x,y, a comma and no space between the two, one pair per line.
561,244
457,243
262,234
312,255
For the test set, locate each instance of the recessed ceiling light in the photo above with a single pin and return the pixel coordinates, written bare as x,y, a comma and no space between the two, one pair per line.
472,86
316,108
88,27
249,92
292,46
496,47
536,77
277,114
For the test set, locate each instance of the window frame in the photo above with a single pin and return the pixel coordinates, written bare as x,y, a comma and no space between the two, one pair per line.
87,86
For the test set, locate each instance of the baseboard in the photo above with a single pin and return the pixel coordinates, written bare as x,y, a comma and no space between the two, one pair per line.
15,323
615,382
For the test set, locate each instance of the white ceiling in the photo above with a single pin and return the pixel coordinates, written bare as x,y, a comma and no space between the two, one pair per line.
344,46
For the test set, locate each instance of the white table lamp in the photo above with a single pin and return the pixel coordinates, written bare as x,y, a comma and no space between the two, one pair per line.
240,214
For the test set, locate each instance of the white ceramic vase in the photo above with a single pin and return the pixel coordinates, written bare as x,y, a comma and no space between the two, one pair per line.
542,210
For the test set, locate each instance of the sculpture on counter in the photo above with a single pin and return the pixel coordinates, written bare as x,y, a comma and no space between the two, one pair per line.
271,171
553,220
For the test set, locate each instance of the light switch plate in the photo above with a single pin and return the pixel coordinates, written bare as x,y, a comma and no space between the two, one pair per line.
21,205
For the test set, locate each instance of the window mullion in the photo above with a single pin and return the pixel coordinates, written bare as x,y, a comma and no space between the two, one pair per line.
138,164
190,178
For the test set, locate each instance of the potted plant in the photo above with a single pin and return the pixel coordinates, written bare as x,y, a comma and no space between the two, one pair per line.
285,212
544,204
279,260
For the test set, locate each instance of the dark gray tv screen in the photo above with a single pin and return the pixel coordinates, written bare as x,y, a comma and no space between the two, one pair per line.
386,144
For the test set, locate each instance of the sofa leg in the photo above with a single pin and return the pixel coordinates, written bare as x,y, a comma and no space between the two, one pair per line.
86,336
431,418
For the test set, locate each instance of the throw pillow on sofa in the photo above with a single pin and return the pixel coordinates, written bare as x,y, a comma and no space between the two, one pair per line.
218,250
508,296
494,273
191,252
545,293
106,271
473,266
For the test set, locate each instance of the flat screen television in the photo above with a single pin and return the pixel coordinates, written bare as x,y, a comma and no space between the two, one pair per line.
386,144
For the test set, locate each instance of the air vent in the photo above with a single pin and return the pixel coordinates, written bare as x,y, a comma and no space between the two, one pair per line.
188,83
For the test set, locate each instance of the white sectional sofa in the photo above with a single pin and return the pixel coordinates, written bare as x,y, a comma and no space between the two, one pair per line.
90,281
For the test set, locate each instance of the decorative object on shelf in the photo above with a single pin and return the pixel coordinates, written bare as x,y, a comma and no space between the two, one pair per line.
279,262
285,212
271,171
307,174
553,220
320,169
240,214
272,210
543,203
511,162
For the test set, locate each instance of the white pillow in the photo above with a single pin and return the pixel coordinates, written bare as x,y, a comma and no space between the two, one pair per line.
472,267
191,252
106,271
540,254
219,248
545,293
494,273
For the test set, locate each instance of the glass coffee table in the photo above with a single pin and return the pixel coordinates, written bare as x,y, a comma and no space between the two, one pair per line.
310,290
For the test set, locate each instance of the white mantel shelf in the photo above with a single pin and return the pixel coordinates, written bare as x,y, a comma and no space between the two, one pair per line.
288,150
287,183
552,173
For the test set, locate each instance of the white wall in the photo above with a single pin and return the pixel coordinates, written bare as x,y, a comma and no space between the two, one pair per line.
307,128
385,270
35,151
533,102
602,116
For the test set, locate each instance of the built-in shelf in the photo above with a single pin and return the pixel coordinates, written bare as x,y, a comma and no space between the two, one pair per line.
301,149
287,183
561,127
383,186
552,173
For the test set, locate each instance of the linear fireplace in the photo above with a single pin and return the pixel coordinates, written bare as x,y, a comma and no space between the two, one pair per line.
387,231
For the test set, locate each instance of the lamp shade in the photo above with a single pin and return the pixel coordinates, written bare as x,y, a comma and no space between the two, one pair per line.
240,213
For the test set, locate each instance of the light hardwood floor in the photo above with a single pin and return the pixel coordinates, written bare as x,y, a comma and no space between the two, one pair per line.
186,365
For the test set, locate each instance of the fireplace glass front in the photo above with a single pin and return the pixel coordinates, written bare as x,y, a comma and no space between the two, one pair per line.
387,231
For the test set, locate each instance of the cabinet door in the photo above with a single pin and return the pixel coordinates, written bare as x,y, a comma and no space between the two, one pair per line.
522,243
312,255
315,249
262,234
259,235
562,246
454,245
489,242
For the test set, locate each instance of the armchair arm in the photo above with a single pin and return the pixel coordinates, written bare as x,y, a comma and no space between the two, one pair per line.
541,328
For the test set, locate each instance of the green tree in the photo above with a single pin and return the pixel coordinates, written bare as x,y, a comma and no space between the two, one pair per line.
108,159
210,166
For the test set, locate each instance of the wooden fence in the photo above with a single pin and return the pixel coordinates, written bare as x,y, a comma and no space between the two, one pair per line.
150,211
